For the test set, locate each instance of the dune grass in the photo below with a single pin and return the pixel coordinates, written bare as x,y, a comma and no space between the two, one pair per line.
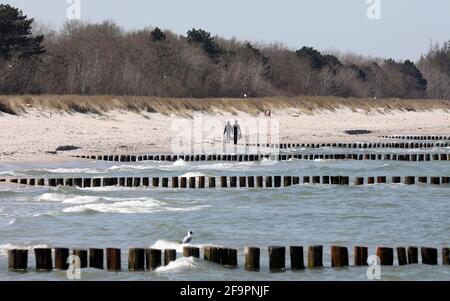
19,104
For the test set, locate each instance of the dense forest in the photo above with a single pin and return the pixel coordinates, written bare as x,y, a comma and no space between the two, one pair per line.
104,59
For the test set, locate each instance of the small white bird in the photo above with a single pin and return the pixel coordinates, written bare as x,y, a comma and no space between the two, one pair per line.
188,238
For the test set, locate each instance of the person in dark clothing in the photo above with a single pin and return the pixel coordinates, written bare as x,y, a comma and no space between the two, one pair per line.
228,131
237,134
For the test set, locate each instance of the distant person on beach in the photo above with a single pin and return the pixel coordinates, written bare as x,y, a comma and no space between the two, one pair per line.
237,134
228,131
268,113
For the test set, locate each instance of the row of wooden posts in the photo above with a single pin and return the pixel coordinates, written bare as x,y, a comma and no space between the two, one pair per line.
224,181
434,137
402,145
140,259
280,157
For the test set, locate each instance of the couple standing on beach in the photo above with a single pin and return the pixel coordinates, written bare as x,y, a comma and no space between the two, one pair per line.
232,131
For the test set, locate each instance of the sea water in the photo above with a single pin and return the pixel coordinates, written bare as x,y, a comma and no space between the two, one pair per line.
376,215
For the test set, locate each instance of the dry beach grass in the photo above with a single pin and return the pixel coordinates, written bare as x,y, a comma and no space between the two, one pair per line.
185,106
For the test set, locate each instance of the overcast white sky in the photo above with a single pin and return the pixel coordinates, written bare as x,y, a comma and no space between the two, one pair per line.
404,30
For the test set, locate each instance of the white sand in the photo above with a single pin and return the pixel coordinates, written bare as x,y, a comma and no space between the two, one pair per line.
27,137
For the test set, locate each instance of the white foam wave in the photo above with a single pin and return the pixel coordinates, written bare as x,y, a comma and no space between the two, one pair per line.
129,207
67,199
180,163
7,173
51,197
128,167
11,222
72,170
193,174
179,264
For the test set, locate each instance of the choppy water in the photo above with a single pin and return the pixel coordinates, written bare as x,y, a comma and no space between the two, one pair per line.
391,215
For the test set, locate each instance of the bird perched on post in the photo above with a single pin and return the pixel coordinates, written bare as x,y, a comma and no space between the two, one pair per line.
188,238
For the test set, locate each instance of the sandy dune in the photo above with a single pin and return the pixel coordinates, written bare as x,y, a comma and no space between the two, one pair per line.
29,136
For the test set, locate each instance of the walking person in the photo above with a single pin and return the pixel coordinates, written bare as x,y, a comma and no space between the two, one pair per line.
228,132
237,133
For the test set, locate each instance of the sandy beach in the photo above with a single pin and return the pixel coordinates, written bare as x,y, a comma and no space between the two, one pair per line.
28,137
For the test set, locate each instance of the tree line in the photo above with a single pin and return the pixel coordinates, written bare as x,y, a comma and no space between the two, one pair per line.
93,59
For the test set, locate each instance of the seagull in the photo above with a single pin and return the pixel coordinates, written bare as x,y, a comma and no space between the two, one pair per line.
188,238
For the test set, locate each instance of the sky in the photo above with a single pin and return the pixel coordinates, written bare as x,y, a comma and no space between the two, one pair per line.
398,29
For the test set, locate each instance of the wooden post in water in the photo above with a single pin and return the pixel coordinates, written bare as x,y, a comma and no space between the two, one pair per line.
396,180
183,182
165,182
169,255
277,259
429,256
212,254
61,256
446,256
371,180
136,259
96,182
229,257
381,180
17,260
192,182
410,180
361,255
251,181
201,182
268,181
386,255
155,182
297,260
259,182
435,180
83,256
413,255
423,180
277,180
43,259
153,257
223,182
401,256
243,182
233,182
252,256
113,260
212,182
315,256
96,258
175,182
339,256
359,181
287,181
191,252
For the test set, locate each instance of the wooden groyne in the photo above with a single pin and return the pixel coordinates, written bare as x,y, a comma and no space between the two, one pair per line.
360,145
416,137
418,157
202,182
148,259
